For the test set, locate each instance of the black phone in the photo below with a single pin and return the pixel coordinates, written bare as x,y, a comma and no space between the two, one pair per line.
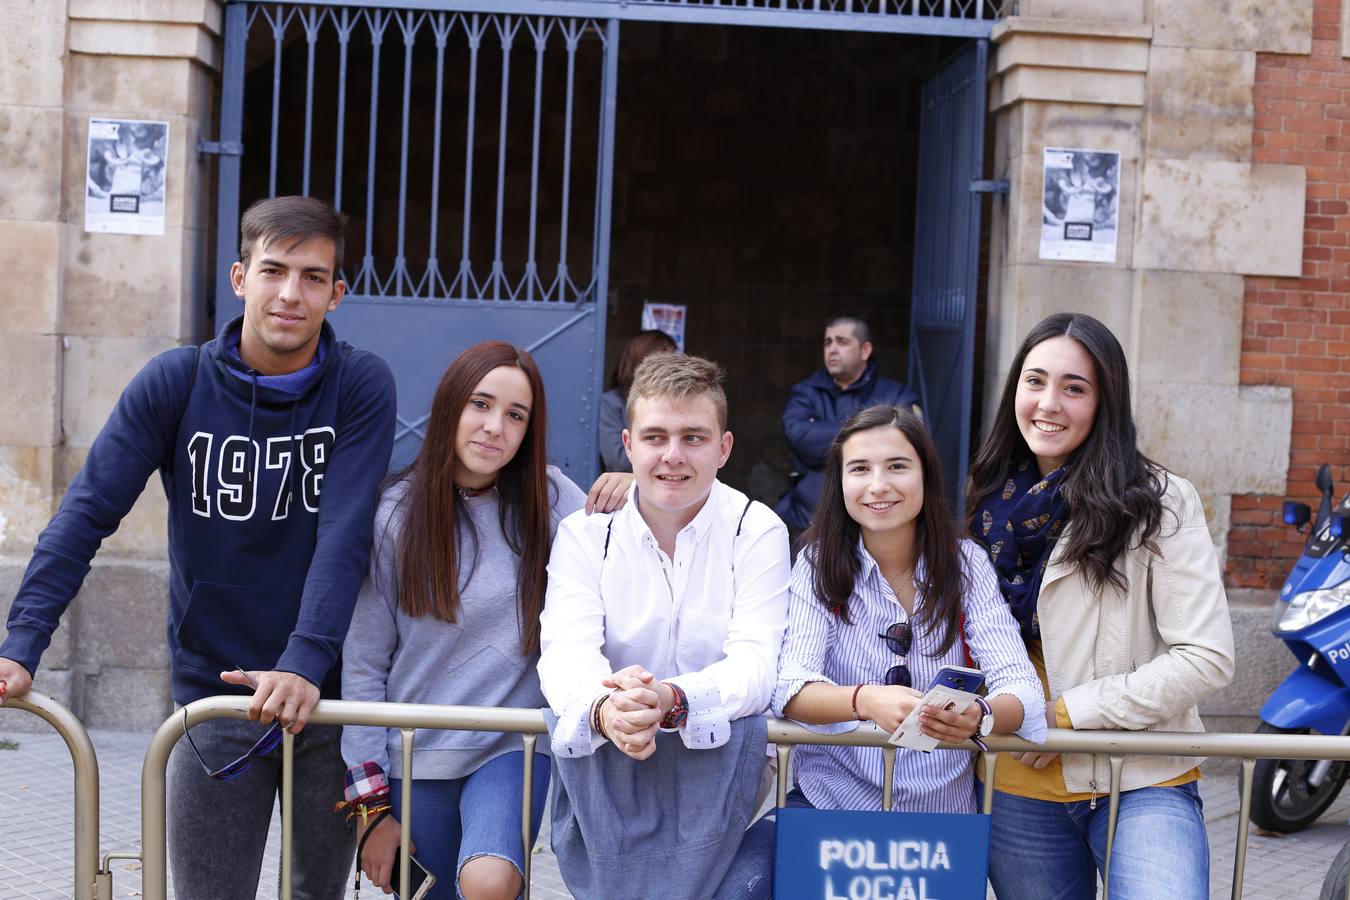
420,881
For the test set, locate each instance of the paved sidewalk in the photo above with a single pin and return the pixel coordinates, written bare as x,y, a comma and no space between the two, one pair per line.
36,790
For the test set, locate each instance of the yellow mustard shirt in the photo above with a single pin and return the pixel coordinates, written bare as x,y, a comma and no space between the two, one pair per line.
1012,777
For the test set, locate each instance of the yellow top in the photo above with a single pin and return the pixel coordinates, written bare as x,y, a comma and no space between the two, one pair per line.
1012,777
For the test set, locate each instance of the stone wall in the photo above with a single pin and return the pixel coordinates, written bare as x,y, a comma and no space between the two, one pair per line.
84,312
1296,330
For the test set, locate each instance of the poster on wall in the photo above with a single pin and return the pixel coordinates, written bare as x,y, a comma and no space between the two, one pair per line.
1080,208
667,317
124,180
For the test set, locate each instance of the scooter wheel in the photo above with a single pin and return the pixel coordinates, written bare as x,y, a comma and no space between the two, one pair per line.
1282,798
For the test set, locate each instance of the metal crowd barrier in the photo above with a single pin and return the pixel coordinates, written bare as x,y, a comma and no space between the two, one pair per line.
86,784
529,723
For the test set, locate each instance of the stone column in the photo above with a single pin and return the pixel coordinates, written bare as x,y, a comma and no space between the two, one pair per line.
1173,97
1168,85
91,309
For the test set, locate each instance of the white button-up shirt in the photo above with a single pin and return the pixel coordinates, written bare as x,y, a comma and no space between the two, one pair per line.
710,619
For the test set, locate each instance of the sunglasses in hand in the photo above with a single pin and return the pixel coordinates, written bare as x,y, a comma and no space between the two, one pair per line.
230,771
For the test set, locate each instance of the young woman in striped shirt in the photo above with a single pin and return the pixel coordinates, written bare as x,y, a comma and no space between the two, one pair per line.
884,594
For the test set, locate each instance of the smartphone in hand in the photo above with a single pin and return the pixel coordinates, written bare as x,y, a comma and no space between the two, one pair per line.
959,678
420,881
953,689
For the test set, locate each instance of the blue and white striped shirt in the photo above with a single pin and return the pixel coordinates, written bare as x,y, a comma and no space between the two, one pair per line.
821,647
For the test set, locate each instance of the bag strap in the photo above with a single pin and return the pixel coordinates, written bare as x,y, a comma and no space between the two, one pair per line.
965,645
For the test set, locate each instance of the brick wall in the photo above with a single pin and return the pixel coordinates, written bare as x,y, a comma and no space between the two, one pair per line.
1296,331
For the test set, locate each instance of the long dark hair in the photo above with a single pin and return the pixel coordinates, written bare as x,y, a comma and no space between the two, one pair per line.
1114,492
834,533
428,551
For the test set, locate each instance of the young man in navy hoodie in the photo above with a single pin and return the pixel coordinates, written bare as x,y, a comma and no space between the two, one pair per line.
270,442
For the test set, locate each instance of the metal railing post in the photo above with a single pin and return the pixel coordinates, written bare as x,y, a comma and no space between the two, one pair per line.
1112,815
287,814
86,782
405,814
1244,822
527,806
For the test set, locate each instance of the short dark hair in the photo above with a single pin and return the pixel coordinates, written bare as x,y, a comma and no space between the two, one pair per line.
860,328
293,219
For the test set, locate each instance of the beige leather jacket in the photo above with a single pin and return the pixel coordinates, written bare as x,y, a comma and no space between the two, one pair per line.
1140,658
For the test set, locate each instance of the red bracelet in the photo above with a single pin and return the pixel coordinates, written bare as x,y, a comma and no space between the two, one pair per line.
854,703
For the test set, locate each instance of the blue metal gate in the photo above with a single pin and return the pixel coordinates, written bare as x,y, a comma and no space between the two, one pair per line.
947,252
515,243
499,252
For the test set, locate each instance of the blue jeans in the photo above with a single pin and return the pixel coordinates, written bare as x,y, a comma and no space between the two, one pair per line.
1043,850
751,874
457,819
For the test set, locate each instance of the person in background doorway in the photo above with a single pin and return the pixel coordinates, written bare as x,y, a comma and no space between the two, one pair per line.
818,406
1107,565
614,402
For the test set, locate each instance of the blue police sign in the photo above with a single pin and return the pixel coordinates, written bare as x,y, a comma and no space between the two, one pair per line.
845,855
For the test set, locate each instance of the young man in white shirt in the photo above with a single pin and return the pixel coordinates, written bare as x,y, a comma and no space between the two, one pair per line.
666,615
669,613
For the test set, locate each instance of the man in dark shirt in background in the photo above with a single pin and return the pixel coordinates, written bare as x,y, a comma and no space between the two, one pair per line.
818,406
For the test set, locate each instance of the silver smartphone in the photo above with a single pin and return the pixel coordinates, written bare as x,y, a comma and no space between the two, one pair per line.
420,881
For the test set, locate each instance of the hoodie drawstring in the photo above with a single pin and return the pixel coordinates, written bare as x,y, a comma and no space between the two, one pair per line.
252,408
297,451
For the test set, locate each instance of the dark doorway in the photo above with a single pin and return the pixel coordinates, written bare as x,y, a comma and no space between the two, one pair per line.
765,178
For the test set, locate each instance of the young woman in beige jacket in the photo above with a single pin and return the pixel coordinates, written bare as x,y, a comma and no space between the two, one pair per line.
1108,567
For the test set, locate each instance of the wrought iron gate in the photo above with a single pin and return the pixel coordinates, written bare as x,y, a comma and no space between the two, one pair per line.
442,256
523,94
947,254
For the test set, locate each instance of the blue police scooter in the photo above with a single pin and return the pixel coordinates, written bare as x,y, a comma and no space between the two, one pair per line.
1312,617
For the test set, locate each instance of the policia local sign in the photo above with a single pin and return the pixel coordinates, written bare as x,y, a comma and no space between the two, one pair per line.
842,855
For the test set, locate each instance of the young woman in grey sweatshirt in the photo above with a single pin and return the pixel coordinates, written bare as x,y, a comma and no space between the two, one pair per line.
450,614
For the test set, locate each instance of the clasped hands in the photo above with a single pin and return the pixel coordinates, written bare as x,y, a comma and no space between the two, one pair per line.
632,712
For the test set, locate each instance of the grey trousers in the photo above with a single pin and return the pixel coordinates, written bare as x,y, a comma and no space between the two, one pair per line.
218,829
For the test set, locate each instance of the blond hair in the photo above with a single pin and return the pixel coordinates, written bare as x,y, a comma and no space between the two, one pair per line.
677,377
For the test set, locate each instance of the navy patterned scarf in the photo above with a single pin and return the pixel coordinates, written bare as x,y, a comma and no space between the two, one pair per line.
1019,526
